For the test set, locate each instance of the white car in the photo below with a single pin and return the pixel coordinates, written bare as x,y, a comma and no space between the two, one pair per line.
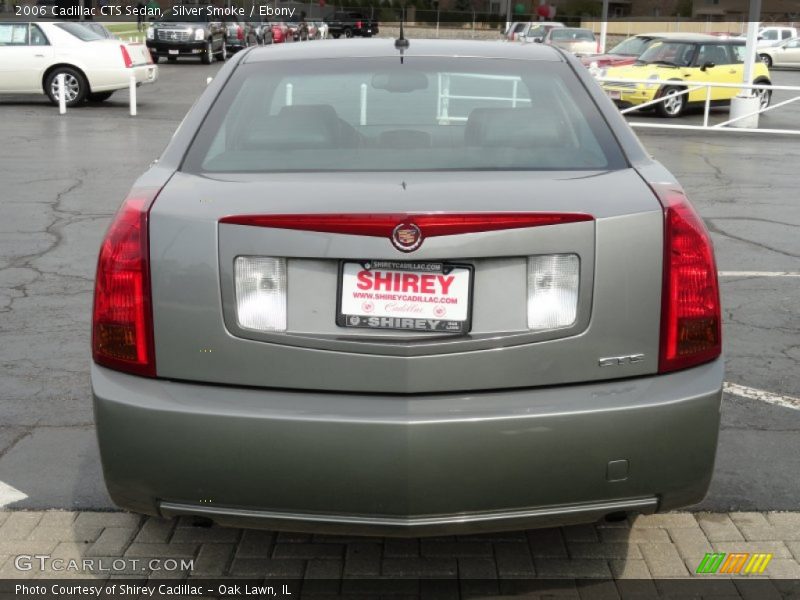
772,36
785,54
32,55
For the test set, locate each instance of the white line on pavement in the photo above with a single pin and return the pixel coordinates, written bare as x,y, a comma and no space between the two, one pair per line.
9,495
759,274
754,394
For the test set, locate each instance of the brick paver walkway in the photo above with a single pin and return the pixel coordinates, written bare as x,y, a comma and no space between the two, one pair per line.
657,546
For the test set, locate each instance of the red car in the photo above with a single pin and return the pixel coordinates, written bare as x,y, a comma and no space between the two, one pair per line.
628,50
280,33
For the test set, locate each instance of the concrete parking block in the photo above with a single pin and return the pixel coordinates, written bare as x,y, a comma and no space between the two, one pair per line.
400,548
663,521
205,535
107,519
603,550
719,527
58,518
213,559
173,550
477,568
308,551
571,569
419,567
690,542
255,543
663,560
513,560
635,536
19,525
112,542
155,531
629,568
455,549
547,543
363,559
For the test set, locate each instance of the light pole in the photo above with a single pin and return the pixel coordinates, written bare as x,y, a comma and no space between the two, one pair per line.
603,27
746,102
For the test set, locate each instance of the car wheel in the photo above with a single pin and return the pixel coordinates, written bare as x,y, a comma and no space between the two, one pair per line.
348,33
673,104
766,59
99,96
223,54
208,54
75,86
764,96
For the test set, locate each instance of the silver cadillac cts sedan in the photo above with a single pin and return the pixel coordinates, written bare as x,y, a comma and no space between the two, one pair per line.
406,291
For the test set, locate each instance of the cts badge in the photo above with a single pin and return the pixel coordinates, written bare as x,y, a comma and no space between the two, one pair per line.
407,237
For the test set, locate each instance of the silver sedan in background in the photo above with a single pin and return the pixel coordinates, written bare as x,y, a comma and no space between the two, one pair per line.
406,290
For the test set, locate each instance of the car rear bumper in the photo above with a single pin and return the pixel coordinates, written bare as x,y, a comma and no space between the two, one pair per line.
118,79
407,465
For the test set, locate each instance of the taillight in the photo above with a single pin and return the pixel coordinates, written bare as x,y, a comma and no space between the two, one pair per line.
691,331
122,321
358,24
126,58
239,33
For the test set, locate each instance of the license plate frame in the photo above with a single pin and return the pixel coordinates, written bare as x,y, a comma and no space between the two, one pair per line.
444,326
173,52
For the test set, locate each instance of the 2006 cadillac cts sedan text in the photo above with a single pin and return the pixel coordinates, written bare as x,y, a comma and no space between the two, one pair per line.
408,291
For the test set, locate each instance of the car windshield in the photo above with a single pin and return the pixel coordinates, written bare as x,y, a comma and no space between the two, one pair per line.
679,54
377,114
79,31
561,34
633,46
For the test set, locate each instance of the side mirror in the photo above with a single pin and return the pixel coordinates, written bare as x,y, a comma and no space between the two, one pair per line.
707,65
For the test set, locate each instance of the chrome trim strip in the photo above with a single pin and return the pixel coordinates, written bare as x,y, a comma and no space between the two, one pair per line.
484,521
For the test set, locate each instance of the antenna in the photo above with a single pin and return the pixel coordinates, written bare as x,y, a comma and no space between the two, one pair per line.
401,43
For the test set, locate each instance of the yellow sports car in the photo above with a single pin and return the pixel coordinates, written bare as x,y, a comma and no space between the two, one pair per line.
685,61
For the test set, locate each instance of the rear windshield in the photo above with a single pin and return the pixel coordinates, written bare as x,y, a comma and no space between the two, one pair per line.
563,35
376,114
79,31
633,46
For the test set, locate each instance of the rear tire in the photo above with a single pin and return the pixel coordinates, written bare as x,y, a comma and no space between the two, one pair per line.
348,33
99,96
766,59
74,82
673,105
764,96
222,55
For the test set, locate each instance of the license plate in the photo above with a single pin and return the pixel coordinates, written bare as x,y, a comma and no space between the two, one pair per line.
405,295
613,94
173,51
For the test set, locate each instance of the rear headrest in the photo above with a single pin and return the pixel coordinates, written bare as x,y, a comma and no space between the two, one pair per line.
307,126
513,127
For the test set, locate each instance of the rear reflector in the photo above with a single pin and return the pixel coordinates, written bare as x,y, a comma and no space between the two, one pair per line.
122,320
430,224
126,57
552,290
690,305
260,293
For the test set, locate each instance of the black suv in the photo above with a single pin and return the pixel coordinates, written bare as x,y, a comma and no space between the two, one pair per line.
351,24
176,36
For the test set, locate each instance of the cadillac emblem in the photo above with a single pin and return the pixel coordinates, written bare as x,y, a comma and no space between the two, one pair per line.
407,237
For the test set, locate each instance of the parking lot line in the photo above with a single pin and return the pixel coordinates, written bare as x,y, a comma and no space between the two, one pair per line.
743,391
759,273
9,494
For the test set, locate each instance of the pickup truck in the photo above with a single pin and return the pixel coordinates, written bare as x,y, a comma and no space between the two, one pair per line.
351,24
188,35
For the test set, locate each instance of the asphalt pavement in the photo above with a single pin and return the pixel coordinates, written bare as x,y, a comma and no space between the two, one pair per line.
63,177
